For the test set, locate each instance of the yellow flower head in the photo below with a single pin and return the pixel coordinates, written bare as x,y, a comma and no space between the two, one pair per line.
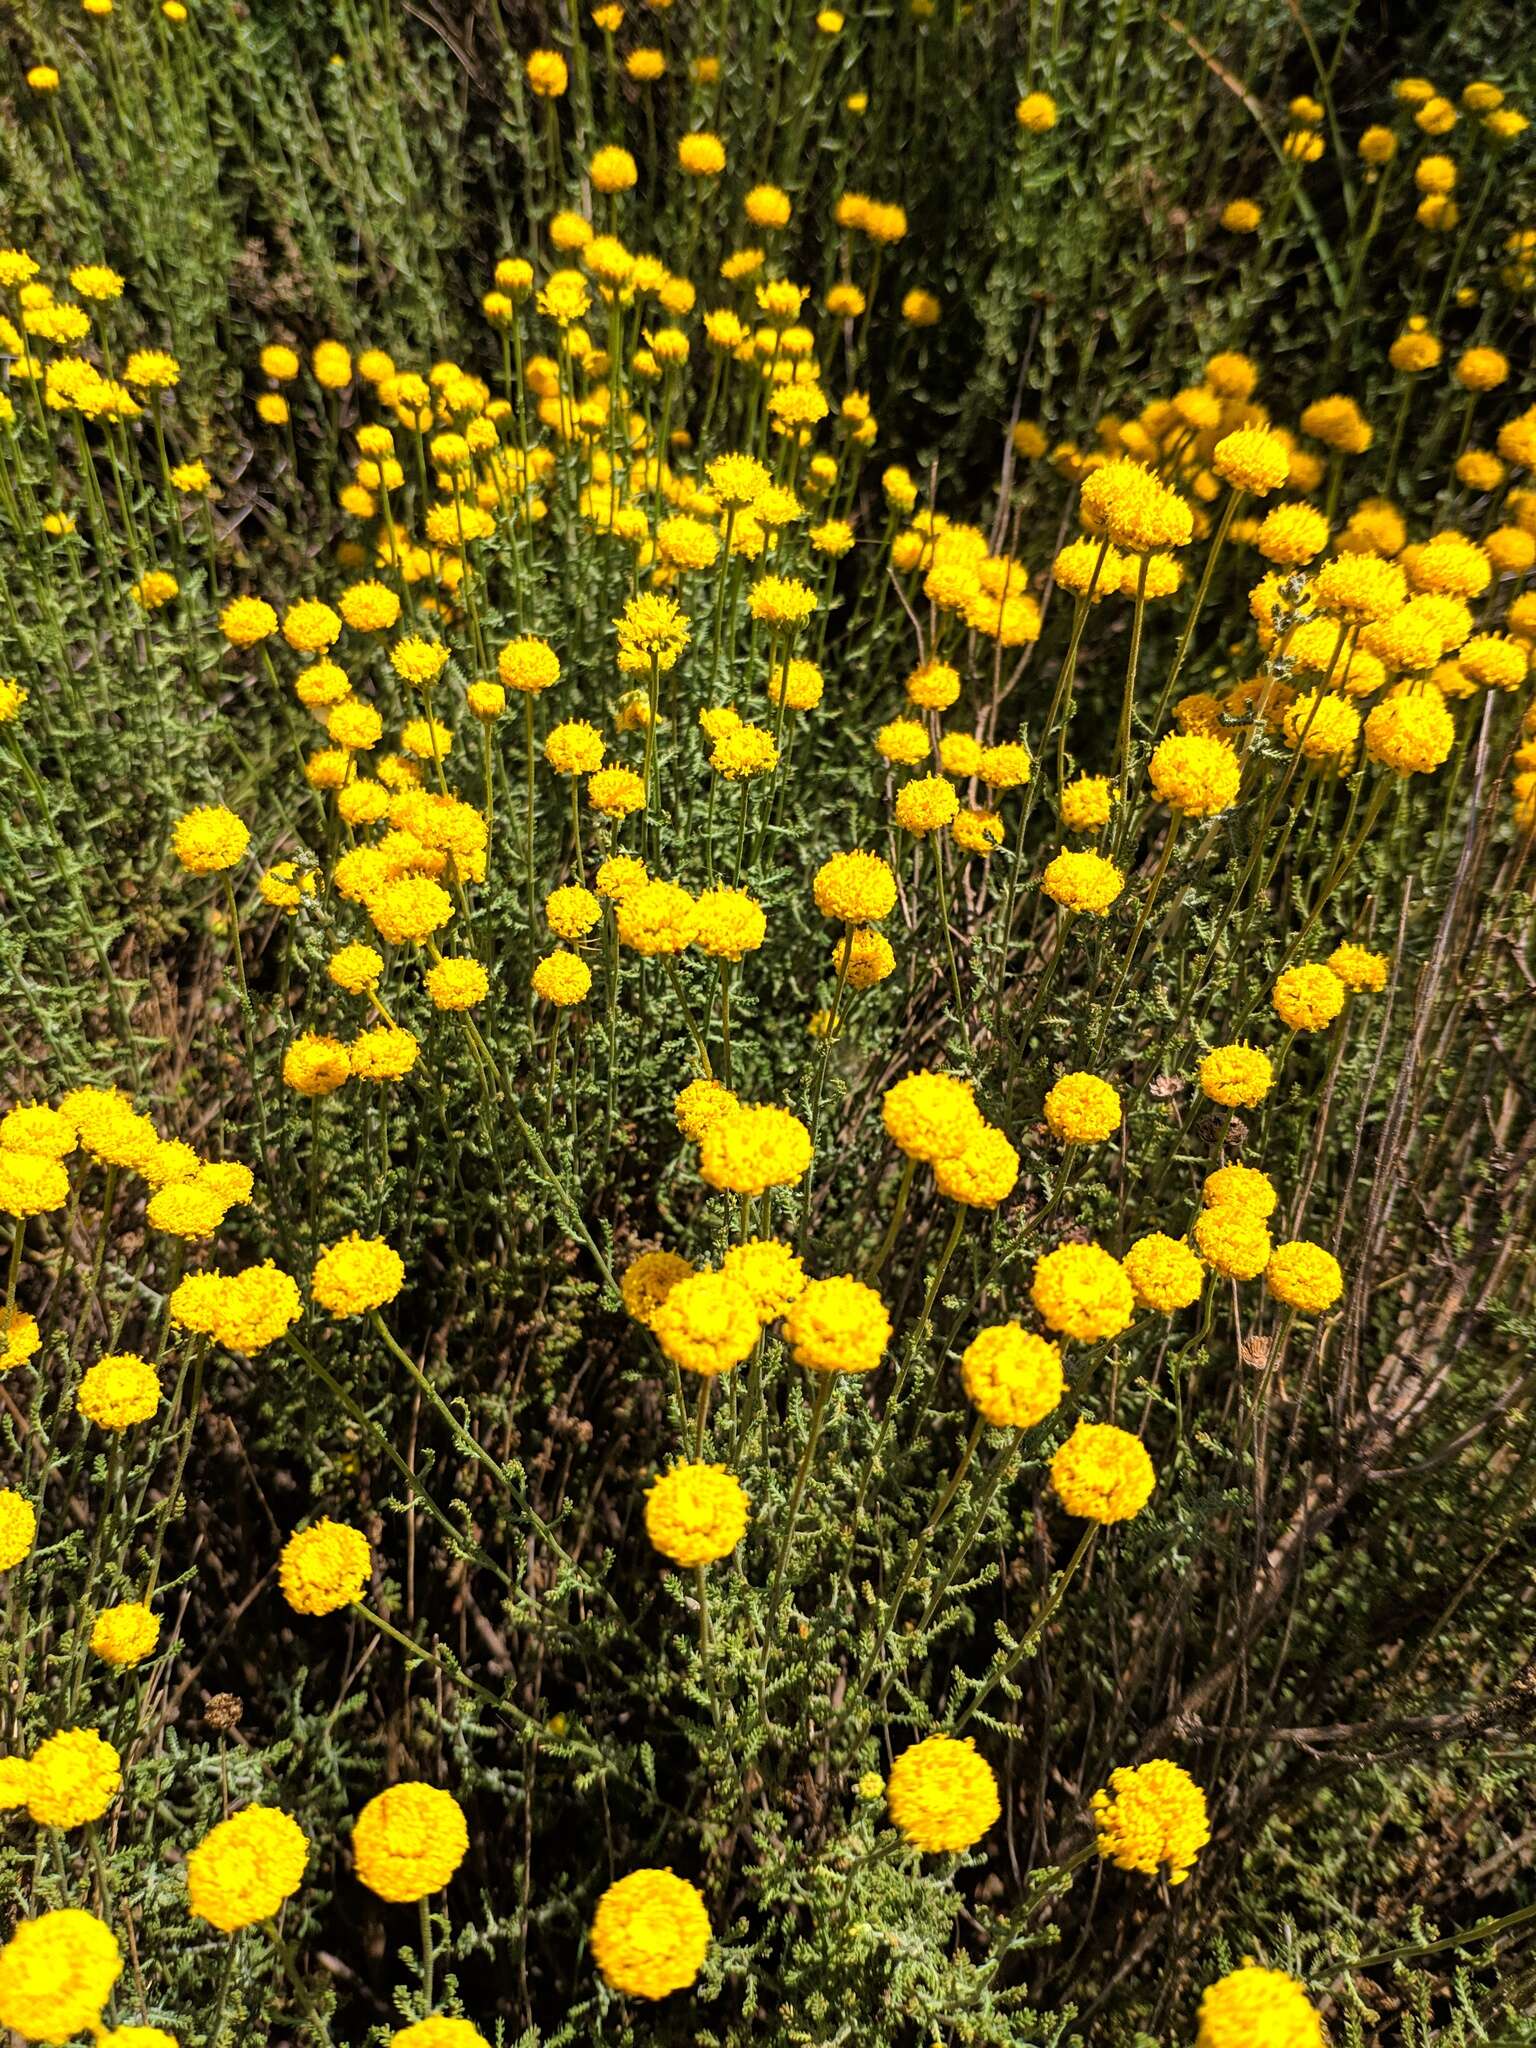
356,1275
1152,1819
696,1514
56,1975
1102,1474
72,1778
408,1842
650,1934
942,1795
1012,1377
243,1870
838,1325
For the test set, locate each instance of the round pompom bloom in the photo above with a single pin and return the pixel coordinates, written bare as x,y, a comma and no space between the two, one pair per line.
72,1778
1012,1377
34,1127
1337,422
658,917
1082,882
119,1391
1308,998
701,155
243,1869
209,840
701,1104
1411,735
1164,1273
1006,766
1323,725
1085,803
707,1323
1082,1110
1252,459
408,1842
1304,1277
863,957
781,601
1196,773
904,742
1498,663
838,1325
1237,1076
56,1975
771,1273
1102,1474
796,684
1136,509
1292,534
125,1634
324,1567
615,792
20,1338
648,1280
1234,1240
696,1514
942,1795
650,1934
767,207
1089,569
574,748
960,755
613,170
406,911
1081,1291
619,877
13,1783
31,1184
356,1275
1359,589
1481,369
1360,970
1153,1819
728,923
976,831
754,1148
1451,565
316,1064
370,607
247,621
1036,113
1240,1187
934,686
930,1116
857,887
245,1312
562,978
457,984
528,665
1414,351
419,661
311,627
1255,2008
546,73
981,1176
439,2032
187,1210
332,366
18,1528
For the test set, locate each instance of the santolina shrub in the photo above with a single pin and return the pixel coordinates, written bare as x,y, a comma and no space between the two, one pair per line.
770,1039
